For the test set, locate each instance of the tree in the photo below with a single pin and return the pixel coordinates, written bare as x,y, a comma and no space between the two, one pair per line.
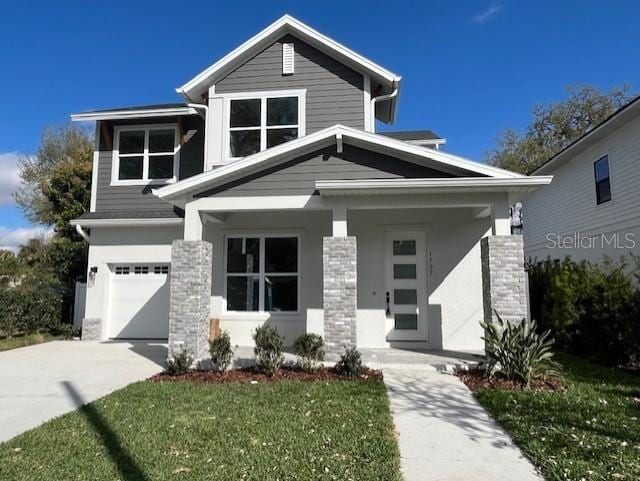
11,268
555,126
56,187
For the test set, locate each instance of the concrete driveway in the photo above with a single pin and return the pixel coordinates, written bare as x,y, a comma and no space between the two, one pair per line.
38,383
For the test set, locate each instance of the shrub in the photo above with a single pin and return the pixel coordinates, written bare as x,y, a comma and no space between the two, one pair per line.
591,309
350,363
268,350
221,352
310,348
179,363
517,351
27,310
67,331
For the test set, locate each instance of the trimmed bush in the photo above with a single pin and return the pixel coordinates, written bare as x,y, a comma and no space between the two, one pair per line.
26,311
350,363
221,351
179,363
310,349
517,351
591,309
268,350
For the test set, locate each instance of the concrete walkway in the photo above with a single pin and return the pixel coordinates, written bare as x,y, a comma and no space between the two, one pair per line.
38,383
445,435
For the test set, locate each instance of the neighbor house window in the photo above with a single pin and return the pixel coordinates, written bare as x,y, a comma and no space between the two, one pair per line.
258,123
145,154
603,182
262,273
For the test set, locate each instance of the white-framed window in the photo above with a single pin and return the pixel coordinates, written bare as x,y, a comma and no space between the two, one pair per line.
262,273
256,121
145,154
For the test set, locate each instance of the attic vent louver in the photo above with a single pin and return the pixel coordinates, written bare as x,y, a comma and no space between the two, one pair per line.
287,59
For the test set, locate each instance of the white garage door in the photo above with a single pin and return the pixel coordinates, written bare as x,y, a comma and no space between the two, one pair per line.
139,301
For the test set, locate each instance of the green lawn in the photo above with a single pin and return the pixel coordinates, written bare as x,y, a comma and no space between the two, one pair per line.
589,432
22,340
337,430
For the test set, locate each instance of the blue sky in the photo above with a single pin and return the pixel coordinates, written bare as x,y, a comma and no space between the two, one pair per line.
470,68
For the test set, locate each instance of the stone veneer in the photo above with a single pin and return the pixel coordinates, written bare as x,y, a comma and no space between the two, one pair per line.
504,282
190,298
91,329
339,266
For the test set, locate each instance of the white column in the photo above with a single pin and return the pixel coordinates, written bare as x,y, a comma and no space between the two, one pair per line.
500,219
215,130
192,223
339,222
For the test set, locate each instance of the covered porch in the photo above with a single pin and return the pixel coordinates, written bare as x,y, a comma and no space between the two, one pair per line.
385,266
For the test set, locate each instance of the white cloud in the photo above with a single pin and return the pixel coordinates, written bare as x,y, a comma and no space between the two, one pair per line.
487,15
9,177
12,239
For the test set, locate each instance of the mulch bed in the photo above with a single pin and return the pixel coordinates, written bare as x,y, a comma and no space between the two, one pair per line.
476,379
250,375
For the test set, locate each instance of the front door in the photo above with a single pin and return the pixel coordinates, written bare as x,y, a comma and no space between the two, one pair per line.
406,286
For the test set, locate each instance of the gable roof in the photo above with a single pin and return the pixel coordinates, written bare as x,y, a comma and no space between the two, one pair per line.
337,134
199,84
620,117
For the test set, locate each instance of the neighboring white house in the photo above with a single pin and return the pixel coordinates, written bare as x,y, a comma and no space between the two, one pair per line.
592,207
268,197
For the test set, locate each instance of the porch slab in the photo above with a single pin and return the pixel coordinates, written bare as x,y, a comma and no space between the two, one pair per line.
387,359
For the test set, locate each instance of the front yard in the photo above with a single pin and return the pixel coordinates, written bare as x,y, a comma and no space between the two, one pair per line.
321,430
591,431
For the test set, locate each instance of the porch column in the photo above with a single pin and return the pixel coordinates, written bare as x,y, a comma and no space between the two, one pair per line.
339,260
190,297
504,281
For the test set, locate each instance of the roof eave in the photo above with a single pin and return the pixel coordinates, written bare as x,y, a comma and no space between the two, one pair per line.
133,114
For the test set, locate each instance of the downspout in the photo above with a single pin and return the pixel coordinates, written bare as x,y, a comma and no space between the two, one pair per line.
373,105
206,114
81,232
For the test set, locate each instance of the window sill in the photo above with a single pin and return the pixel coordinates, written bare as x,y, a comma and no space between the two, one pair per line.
256,316
120,183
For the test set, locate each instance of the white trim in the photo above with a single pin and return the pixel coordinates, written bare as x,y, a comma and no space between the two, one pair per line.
261,274
271,33
328,136
127,222
133,114
94,169
480,184
263,96
366,90
115,162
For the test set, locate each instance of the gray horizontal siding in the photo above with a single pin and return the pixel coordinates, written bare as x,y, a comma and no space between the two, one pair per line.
334,91
298,177
139,197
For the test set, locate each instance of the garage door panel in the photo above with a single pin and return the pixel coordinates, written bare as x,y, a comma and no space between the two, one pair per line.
139,306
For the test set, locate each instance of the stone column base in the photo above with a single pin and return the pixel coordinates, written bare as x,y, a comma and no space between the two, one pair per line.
340,278
504,280
91,329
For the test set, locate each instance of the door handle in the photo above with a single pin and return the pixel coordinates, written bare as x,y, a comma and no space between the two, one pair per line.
388,308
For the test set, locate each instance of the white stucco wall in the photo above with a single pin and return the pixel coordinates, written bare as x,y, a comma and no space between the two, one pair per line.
110,245
454,279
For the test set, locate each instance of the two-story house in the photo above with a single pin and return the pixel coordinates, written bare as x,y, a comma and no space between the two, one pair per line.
267,197
592,208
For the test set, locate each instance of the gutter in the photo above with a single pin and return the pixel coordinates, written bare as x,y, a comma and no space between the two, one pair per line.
383,97
81,232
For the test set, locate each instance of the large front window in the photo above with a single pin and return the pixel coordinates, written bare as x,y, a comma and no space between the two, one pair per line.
262,273
145,154
261,122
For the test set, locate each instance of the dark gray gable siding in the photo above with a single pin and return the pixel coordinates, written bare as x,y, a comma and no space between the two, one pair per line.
334,91
298,176
139,197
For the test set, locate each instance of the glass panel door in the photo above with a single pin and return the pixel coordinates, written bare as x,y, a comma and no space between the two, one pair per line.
406,286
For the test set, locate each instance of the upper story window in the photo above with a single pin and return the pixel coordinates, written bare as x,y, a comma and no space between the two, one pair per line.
603,182
257,122
145,154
